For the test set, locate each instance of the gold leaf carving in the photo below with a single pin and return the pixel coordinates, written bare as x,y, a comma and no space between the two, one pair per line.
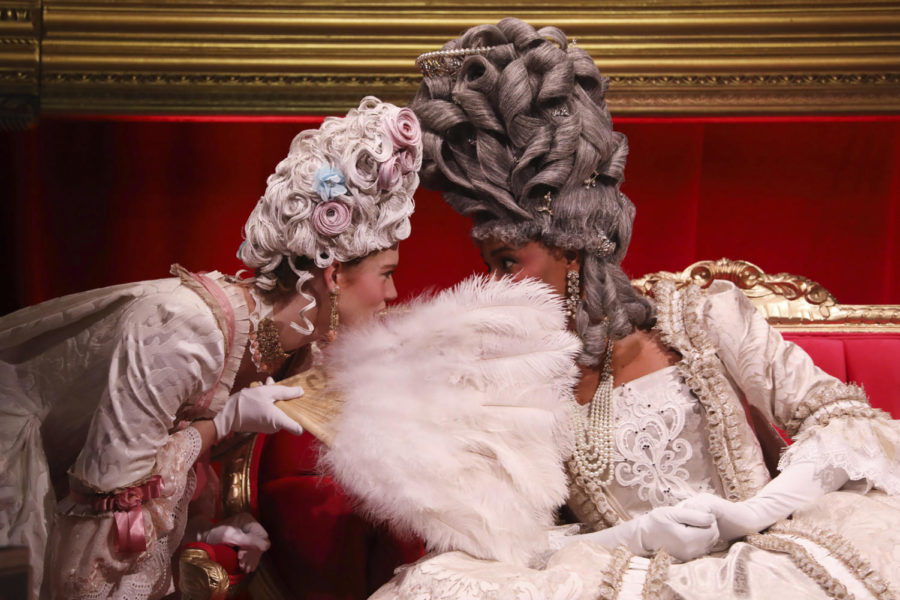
199,578
283,57
788,301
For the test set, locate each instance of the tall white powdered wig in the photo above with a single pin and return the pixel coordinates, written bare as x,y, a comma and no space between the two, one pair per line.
344,190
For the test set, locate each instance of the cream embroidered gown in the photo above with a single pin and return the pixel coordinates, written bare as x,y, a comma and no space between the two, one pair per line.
90,384
682,431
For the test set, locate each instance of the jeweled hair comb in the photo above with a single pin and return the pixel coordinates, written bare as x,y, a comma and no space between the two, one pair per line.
447,62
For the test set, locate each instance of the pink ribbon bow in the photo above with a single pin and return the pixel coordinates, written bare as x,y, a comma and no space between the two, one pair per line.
131,534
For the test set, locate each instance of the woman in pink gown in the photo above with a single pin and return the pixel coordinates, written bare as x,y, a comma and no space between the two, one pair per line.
107,397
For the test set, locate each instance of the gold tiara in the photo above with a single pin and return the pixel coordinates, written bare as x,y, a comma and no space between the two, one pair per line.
447,62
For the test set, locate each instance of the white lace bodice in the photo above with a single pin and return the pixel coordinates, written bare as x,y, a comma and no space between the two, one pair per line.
661,450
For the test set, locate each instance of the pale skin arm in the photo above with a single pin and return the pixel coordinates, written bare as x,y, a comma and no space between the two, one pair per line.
207,432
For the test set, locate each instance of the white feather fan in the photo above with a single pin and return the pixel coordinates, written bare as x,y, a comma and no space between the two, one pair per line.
456,419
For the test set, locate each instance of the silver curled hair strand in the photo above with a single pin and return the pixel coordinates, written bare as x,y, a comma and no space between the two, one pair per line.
302,277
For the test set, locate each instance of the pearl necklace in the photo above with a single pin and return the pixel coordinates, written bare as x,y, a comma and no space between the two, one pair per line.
594,442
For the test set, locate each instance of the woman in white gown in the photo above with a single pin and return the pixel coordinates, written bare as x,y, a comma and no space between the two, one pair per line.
107,397
667,477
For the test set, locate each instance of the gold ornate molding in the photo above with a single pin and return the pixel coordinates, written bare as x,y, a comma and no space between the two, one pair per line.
200,578
789,302
285,57
19,63
235,481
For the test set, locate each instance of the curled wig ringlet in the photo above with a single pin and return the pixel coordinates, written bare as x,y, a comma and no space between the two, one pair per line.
522,119
344,190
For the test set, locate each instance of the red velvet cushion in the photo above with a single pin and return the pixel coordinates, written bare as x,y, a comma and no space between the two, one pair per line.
871,360
320,548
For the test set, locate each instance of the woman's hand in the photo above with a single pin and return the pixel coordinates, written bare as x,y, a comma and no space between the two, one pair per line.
684,533
243,532
253,409
734,519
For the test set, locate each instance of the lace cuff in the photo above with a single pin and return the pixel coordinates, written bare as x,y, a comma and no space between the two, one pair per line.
84,561
866,448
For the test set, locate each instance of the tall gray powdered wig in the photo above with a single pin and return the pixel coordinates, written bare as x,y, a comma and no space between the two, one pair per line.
517,136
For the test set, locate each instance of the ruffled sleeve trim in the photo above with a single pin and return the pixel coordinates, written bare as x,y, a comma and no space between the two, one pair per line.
832,399
185,446
680,327
236,312
863,441
241,335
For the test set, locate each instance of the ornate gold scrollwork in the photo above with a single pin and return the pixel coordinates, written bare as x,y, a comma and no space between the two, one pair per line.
19,63
282,57
235,483
199,578
788,301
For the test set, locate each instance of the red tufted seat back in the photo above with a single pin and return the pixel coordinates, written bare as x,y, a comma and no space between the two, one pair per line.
870,359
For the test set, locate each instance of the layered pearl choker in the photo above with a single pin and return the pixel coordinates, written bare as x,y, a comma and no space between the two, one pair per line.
594,442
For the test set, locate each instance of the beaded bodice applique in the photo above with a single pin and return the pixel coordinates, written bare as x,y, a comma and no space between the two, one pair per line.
660,451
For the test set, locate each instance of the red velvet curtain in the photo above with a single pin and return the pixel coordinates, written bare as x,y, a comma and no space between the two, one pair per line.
88,203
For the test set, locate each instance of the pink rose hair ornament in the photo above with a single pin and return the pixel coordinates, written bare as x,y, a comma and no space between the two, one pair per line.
405,136
331,218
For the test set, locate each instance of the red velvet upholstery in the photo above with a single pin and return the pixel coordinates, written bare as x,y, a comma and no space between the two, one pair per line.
320,548
868,359
89,203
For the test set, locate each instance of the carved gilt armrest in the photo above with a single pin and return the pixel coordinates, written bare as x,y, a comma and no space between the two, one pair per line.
211,572
200,577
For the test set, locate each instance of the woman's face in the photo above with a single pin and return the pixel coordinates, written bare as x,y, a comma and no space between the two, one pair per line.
532,259
366,286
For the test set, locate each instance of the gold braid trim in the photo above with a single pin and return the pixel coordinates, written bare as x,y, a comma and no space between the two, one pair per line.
802,559
841,549
821,406
588,501
704,374
657,574
612,578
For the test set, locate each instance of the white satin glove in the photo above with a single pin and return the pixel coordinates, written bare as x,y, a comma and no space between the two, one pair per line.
242,531
795,487
253,409
682,532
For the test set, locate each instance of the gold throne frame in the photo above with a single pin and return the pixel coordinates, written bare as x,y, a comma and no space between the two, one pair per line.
789,302
288,57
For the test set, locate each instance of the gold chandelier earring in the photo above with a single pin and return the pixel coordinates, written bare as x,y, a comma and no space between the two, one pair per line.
335,318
